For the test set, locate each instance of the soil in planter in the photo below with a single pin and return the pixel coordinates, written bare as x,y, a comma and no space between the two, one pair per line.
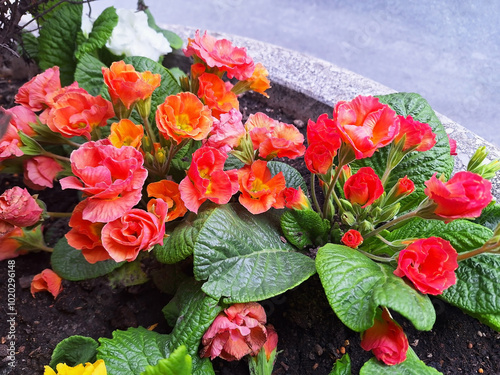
311,338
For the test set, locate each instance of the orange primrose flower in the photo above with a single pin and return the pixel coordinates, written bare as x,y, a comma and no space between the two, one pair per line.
169,192
259,189
183,116
216,95
85,235
46,280
126,133
126,85
259,81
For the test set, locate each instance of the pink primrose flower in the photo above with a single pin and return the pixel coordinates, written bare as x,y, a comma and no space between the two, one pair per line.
221,54
237,331
40,172
110,177
19,208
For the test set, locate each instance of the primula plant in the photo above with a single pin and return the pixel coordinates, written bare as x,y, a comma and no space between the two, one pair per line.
166,168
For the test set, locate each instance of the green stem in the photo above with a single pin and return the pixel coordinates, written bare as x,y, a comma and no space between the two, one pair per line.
376,257
71,143
483,249
46,248
55,156
391,223
149,131
59,214
333,182
313,192
387,172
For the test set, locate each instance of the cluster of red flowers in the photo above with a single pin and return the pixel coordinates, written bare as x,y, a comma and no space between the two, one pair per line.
113,174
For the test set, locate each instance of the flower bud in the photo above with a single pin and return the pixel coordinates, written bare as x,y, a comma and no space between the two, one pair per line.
385,339
352,238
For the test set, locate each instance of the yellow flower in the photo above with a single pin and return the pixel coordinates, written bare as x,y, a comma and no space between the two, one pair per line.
98,368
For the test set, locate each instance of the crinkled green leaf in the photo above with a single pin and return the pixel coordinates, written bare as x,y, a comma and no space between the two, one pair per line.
181,241
244,257
490,217
88,74
168,85
463,235
304,228
129,274
74,350
418,166
130,351
173,39
293,177
101,32
411,366
477,289
342,366
70,264
30,45
178,363
232,162
57,41
491,320
355,286
196,311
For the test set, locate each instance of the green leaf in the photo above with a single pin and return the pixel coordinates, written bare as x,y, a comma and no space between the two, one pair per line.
342,366
168,85
196,311
57,41
418,166
101,32
491,320
178,74
129,274
293,177
477,289
74,350
70,264
490,217
304,228
355,286
462,234
178,363
180,243
174,40
88,74
30,45
244,257
232,162
130,351
411,366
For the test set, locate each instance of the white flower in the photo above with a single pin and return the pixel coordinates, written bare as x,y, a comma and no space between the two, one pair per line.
87,24
132,36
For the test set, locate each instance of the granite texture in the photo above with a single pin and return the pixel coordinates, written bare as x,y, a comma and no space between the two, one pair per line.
308,85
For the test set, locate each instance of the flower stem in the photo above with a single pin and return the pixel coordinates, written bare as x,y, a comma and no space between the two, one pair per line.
333,182
59,214
483,249
149,131
46,248
313,193
55,156
376,257
391,223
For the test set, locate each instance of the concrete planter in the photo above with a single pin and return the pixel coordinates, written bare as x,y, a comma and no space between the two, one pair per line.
306,87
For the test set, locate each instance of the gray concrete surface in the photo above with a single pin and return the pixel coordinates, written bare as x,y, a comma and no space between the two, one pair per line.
448,51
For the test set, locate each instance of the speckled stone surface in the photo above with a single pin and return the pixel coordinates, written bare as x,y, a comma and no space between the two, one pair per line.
313,86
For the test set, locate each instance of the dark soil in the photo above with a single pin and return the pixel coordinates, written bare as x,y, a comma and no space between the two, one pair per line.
311,338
